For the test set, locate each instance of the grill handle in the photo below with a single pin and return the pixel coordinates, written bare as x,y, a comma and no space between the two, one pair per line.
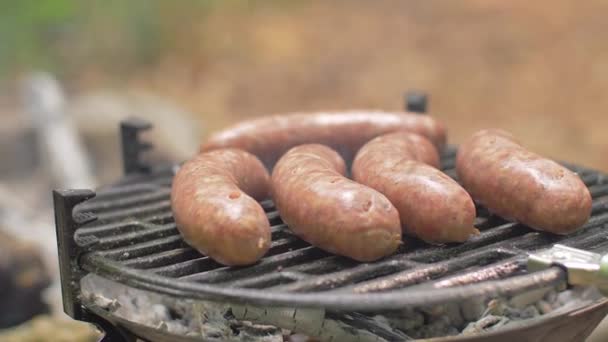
583,268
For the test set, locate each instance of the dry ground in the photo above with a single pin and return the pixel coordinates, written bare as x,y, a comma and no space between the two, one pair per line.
538,69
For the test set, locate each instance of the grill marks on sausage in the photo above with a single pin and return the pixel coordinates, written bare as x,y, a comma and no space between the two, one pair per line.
214,202
403,166
328,210
520,185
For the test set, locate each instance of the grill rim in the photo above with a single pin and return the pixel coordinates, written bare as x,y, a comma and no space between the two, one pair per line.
96,262
374,301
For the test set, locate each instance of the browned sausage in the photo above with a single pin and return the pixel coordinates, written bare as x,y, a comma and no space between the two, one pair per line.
330,211
403,167
521,185
214,204
270,137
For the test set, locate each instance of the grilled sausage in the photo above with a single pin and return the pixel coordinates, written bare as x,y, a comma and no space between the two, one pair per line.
403,167
521,185
330,211
214,204
269,137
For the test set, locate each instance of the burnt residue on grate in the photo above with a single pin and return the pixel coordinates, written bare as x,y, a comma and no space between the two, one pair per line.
135,241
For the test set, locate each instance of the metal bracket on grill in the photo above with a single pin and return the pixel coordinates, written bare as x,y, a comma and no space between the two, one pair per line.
132,146
583,268
66,224
415,101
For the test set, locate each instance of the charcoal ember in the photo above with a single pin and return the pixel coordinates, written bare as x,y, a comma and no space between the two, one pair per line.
524,313
23,277
523,300
258,332
449,313
544,307
453,312
495,307
405,320
300,338
200,319
440,326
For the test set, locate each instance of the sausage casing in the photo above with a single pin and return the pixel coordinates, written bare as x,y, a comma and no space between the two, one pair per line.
213,199
330,211
521,185
270,137
403,167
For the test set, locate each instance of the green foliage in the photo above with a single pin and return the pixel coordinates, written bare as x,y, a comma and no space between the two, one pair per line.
26,28
65,35
55,34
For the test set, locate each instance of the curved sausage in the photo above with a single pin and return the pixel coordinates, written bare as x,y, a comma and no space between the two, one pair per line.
521,185
214,204
270,137
403,167
330,211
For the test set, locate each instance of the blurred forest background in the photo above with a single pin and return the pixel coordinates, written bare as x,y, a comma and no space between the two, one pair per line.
536,68
539,69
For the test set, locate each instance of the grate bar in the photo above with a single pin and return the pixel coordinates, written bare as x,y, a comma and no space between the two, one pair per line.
104,230
356,274
425,273
112,192
267,204
272,279
183,268
145,248
273,215
268,280
328,264
269,264
162,259
136,212
125,201
148,233
598,190
494,271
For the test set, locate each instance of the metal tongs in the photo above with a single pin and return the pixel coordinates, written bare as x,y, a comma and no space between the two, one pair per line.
583,268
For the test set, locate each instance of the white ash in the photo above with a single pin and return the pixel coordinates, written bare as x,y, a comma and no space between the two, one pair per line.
478,315
223,321
209,321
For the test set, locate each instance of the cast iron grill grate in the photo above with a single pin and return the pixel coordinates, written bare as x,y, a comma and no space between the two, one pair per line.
134,241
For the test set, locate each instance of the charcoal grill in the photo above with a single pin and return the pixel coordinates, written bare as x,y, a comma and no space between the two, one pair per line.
125,232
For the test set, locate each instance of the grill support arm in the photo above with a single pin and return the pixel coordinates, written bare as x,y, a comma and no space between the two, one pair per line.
66,224
132,147
583,268
415,102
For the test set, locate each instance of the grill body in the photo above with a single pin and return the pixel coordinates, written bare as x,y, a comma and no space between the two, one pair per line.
573,326
127,234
